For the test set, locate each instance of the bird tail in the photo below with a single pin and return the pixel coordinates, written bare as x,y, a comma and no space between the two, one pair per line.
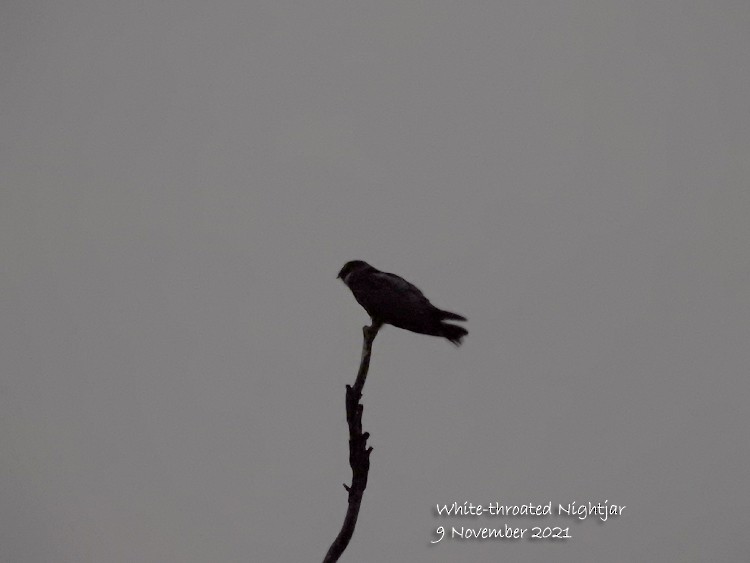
453,333
451,316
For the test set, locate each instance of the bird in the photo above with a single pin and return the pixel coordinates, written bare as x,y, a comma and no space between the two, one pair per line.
390,299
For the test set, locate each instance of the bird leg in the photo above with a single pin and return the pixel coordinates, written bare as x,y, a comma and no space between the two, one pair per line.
371,331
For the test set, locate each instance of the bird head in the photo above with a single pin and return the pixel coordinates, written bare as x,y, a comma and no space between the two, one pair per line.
352,266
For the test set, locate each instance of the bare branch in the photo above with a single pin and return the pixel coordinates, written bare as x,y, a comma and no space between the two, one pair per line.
359,453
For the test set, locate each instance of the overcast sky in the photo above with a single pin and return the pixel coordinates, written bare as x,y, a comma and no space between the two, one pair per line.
180,182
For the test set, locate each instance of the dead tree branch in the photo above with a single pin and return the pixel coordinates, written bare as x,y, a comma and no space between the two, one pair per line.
359,453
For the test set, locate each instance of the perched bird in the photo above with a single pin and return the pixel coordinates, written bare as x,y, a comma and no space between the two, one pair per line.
388,298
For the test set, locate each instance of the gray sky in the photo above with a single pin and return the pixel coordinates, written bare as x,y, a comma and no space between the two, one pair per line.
181,181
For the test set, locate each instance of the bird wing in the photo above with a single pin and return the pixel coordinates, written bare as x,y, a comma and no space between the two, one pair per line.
409,293
392,299
397,284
